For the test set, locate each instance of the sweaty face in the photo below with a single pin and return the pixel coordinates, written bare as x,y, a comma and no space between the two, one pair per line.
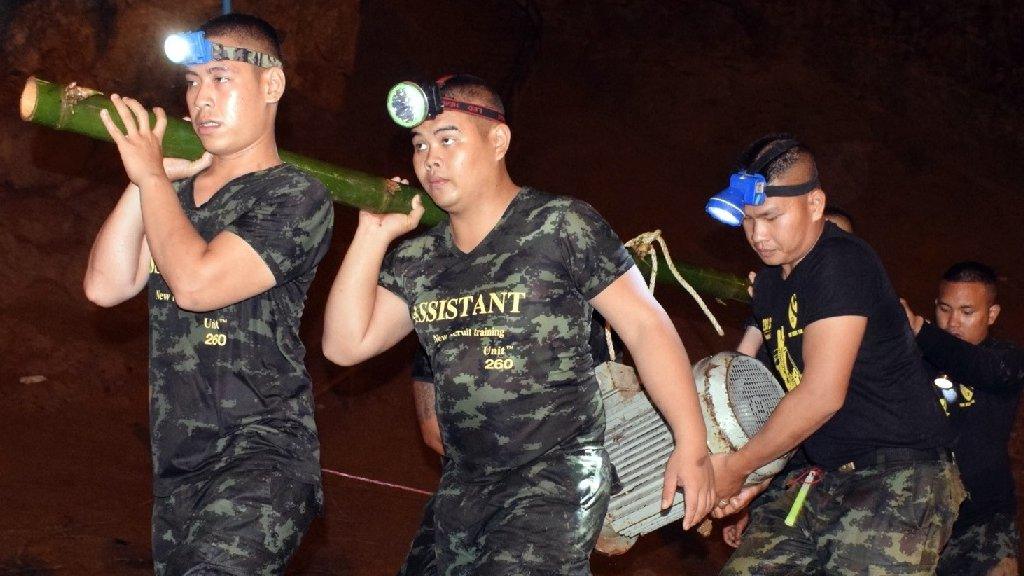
227,104
965,310
451,154
783,229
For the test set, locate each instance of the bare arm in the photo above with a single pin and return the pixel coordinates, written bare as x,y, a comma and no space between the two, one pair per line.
664,367
203,276
830,347
119,259
751,342
362,319
426,414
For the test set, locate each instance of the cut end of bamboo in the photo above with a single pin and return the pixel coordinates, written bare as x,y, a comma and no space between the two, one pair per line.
29,98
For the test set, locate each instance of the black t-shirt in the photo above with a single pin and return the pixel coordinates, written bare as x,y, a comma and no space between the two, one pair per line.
229,387
889,402
988,379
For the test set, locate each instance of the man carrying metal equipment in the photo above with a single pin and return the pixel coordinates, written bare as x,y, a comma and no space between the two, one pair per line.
500,296
881,488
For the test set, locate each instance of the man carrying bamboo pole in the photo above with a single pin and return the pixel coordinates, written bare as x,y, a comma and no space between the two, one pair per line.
881,490
228,255
501,298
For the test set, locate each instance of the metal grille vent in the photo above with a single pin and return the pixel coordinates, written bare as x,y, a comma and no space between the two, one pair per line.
753,393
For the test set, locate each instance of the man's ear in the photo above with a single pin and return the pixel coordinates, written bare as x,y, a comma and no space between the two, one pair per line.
500,137
273,82
816,203
993,313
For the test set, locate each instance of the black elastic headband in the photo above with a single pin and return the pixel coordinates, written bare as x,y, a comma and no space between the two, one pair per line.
774,150
794,189
772,153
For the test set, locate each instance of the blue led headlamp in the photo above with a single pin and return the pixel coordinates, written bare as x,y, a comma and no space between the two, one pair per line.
188,48
748,187
411,104
192,48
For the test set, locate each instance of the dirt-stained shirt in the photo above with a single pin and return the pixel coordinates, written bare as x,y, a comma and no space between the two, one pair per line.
506,327
229,387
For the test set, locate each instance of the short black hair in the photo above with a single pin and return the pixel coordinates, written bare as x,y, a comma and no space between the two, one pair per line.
469,88
248,27
782,163
971,271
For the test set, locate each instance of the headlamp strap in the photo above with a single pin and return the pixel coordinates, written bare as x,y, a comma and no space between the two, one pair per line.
452,104
236,54
793,189
774,150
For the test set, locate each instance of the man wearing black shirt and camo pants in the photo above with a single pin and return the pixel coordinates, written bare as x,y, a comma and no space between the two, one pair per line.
979,380
881,490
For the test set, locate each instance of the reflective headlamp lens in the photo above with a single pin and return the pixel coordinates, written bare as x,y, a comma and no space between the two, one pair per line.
407,104
188,48
744,190
724,211
176,48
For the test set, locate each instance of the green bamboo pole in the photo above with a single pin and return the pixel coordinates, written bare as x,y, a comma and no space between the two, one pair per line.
76,109
707,281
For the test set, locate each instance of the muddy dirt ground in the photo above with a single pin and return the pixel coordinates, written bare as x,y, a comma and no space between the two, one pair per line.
638,107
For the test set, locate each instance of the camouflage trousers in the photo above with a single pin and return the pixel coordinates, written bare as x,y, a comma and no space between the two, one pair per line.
246,522
542,519
977,549
888,519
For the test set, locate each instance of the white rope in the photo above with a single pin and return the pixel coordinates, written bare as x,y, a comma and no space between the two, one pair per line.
643,247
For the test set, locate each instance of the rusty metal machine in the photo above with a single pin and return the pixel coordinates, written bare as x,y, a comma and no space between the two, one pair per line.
737,395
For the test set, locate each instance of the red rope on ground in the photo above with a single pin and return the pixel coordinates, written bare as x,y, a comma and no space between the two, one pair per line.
377,482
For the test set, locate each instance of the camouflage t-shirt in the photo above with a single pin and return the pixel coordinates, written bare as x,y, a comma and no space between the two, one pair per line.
507,327
228,388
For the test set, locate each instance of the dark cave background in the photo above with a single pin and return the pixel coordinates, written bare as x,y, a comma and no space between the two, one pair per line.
638,107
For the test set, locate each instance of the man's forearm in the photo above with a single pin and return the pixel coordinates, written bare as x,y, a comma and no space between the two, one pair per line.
971,364
424,396
113,272
751,342
350,304
176,246
665,371
796,417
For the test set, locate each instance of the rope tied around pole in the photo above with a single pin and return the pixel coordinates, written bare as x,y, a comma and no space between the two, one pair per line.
644,247
72,95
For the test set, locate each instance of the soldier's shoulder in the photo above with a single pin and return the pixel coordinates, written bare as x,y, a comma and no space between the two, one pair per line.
287,187
543,204
847,251
845,244
422,244
291,178
1004,346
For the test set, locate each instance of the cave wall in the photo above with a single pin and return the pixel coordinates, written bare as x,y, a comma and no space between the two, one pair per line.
639,107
